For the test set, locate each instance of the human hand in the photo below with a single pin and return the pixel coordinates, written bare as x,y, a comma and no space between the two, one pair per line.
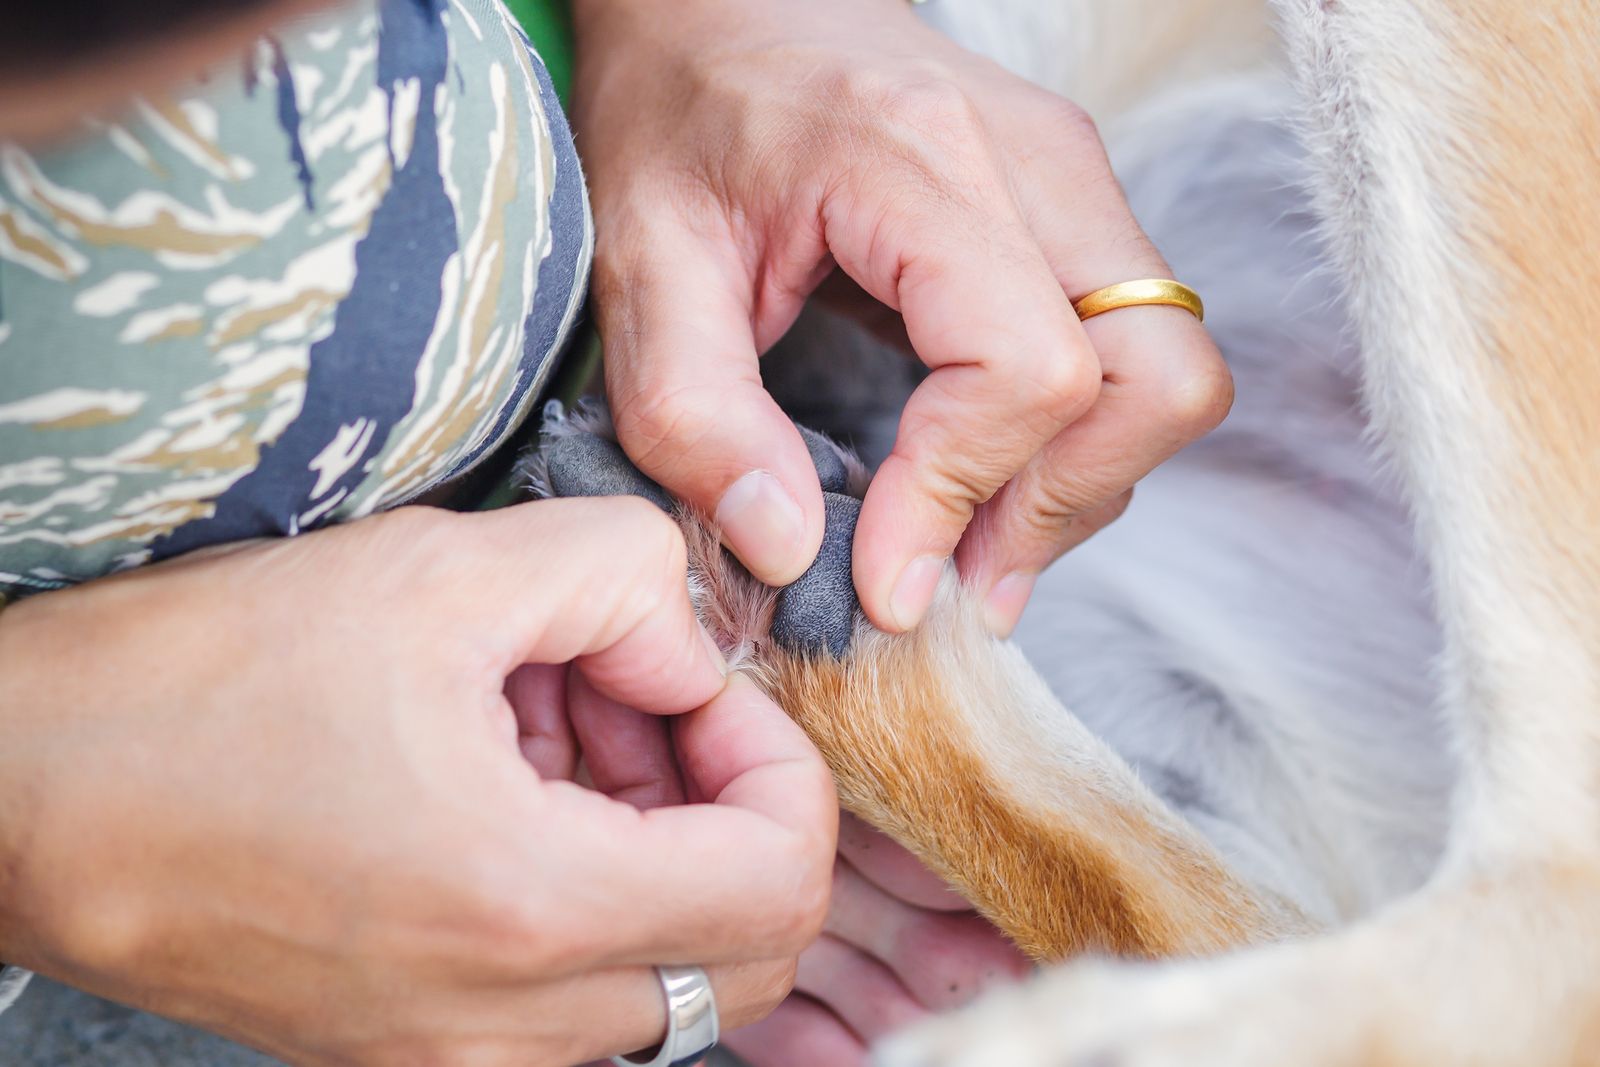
738,150
279,794
898,945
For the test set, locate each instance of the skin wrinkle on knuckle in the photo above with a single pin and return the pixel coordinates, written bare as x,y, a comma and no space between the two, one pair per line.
1060,383
948,492
1067,121
953,478
1198,397
777,982
661,428
926,101
1047,507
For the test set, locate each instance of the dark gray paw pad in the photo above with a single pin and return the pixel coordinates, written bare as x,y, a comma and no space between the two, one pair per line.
817,613
829,461
580,464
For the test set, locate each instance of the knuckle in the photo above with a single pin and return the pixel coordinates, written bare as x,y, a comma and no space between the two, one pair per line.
662,552
954,480
762,988
497,921
1114,509
907,91
957,488
1053,506
915,103
112,932
933,102
1063,383
1067,119
652,417
796,915
514,935
1196,398
673,429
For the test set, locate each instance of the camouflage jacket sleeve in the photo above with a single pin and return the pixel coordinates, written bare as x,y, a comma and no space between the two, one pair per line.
316,282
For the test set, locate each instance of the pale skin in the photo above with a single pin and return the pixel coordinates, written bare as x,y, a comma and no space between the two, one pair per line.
291,793
925,180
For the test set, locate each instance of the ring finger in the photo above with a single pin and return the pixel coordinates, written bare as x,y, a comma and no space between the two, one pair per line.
1155,400
615,1012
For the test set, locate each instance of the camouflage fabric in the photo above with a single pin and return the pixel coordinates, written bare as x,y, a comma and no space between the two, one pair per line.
321,280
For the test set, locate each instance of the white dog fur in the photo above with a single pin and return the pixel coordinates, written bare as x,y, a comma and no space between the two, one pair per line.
1332,671
1295,636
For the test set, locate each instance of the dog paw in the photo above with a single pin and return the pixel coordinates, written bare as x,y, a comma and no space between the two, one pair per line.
817,614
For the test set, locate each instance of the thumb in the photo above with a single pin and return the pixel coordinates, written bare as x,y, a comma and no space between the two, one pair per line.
601,581
684,382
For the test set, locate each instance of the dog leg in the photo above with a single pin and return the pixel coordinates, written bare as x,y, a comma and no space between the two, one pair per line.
948,740
1458,177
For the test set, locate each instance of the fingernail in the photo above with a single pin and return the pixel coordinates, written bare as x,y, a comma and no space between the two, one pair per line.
717,656
1002,608
914,589
762,525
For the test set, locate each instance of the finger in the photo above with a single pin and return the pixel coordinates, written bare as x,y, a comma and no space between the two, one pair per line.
894,870
943,959
800,1033
1011,367
1024,529
617,601
743,877
613,1012
537,694
628,753
743,750
857,988
1154,401
1164,385
689,406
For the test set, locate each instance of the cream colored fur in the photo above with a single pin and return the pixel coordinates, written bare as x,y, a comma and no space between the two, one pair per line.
1453,167
1313,683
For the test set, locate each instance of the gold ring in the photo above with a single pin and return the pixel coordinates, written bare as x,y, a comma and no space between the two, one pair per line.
1140,293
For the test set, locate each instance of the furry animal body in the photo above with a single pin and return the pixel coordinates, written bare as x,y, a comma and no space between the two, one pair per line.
1310,739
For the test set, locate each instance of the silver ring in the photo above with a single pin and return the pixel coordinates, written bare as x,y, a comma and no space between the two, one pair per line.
691,1021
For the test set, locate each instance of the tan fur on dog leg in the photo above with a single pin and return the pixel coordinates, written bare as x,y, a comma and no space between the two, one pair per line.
1101,869
947,740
